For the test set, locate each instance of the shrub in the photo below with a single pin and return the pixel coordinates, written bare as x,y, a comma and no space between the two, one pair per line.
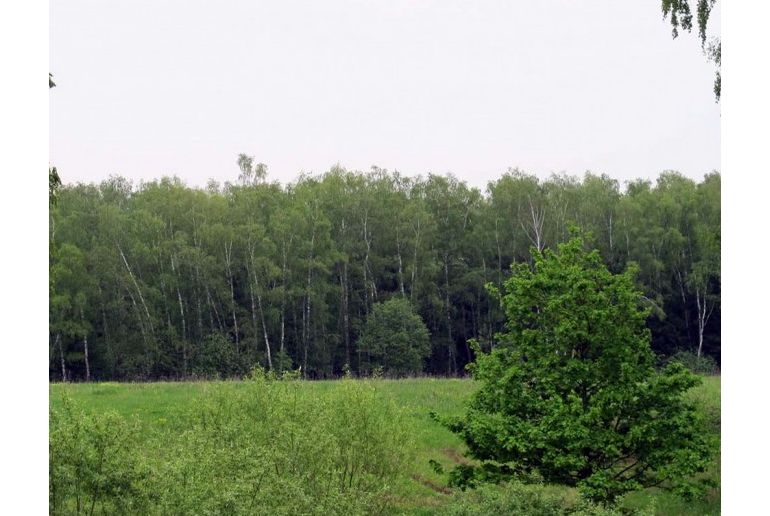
271,447
571,392
93,464
519,498
703,364
261,446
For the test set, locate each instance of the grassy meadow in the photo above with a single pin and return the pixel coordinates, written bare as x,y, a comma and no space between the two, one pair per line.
160,415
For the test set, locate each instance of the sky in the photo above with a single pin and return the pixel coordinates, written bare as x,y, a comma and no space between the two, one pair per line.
153,88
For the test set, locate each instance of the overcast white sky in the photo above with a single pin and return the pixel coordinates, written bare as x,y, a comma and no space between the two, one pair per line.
152,88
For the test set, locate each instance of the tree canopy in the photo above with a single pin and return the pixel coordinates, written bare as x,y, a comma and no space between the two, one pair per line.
287,276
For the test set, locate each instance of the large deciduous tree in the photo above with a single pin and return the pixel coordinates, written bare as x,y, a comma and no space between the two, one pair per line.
571,393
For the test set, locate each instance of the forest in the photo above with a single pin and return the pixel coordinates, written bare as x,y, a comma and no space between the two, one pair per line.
161,280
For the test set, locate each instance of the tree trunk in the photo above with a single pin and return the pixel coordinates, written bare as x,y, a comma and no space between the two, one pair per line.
259,304
537,221
228,262
400,264
138,291
85,353
499,257
344,311
85,347
452,366
141,330
414,263
61,358
161,274
181,313
366,266
199,311
684,306
108,345
283,302
704,312
254,317
198,284
213,309
306,318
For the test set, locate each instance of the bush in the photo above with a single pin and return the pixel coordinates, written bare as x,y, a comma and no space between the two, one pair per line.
262,446
93,464
703,364
271,447
518,498
571,392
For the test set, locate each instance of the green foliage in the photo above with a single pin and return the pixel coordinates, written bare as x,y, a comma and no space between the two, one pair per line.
54,183
571,393
217,357
290,275
93,464
268,447
680,15
524,499
166,411
395,338
258,447
703,364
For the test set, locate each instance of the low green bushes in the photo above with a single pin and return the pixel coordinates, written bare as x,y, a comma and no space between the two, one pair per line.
529,499
94,465
512,498
703,364
258,447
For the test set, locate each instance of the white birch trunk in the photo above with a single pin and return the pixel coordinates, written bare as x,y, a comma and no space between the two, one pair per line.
704,312
537,219
306,315
228,259
142,330
400,264
259,304
138,291
452,359
414,263
85,348
181,313
61,358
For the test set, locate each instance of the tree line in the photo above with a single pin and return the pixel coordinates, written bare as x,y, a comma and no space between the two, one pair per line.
162,280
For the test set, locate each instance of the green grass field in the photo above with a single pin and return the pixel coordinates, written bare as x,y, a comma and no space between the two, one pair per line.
160,410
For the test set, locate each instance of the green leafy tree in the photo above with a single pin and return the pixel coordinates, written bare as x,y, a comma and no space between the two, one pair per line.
396,338
571,393
71,284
